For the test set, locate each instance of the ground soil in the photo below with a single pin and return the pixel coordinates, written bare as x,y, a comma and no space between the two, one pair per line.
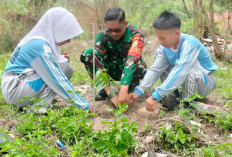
137,112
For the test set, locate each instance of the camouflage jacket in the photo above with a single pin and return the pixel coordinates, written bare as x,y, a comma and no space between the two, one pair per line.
124,53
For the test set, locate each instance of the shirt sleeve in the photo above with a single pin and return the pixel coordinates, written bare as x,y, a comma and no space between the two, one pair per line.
134,55
100,49
45,66
178,74
153,73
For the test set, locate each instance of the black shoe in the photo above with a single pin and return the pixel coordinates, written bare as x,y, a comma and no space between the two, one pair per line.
171,101
101,95
188,106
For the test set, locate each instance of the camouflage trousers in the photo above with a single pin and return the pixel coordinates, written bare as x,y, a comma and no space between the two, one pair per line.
114,68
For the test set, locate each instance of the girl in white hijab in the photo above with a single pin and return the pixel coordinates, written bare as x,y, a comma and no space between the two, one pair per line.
37,69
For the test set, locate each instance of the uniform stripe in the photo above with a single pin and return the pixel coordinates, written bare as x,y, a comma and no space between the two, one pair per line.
62,81
176,68
65,85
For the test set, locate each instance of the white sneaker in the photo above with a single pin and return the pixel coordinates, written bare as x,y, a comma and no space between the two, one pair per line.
41,110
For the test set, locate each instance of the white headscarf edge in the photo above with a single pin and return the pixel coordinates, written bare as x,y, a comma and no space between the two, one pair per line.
56,25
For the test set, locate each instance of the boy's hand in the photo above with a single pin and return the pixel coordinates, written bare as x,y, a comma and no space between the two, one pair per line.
152,105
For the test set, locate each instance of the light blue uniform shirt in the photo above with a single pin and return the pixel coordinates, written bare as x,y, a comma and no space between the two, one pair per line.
37,55
189,51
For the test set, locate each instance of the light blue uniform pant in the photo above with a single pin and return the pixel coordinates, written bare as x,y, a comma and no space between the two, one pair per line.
14,87
198,80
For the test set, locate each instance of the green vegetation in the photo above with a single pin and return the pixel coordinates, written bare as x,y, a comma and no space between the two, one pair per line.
18,17
117,139
36,135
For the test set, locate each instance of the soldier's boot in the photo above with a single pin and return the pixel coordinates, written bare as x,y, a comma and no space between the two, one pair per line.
101,95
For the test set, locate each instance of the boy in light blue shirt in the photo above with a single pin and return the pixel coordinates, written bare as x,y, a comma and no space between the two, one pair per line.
181,60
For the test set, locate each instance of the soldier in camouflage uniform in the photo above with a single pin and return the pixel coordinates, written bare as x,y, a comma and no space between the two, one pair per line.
118,49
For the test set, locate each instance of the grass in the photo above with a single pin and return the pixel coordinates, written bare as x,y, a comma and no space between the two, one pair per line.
4,60
224,78
63,123
80,75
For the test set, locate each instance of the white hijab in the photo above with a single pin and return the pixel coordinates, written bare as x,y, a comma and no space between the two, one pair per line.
56,25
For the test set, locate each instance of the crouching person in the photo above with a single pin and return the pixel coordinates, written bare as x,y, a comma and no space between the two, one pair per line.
37,69
118,49
181,60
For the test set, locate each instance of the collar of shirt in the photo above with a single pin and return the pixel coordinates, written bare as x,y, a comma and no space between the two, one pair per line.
127,35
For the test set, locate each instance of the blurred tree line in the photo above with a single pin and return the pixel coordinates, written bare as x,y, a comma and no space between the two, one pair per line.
17,17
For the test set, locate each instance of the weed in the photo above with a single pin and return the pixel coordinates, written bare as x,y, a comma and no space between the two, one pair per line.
177,138
118,139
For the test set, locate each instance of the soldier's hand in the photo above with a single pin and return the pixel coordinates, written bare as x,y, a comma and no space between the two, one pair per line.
123,94
132,97
114,100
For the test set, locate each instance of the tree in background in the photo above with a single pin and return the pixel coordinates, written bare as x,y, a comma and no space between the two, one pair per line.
210,24
209,21
101,7
227,4
17,17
